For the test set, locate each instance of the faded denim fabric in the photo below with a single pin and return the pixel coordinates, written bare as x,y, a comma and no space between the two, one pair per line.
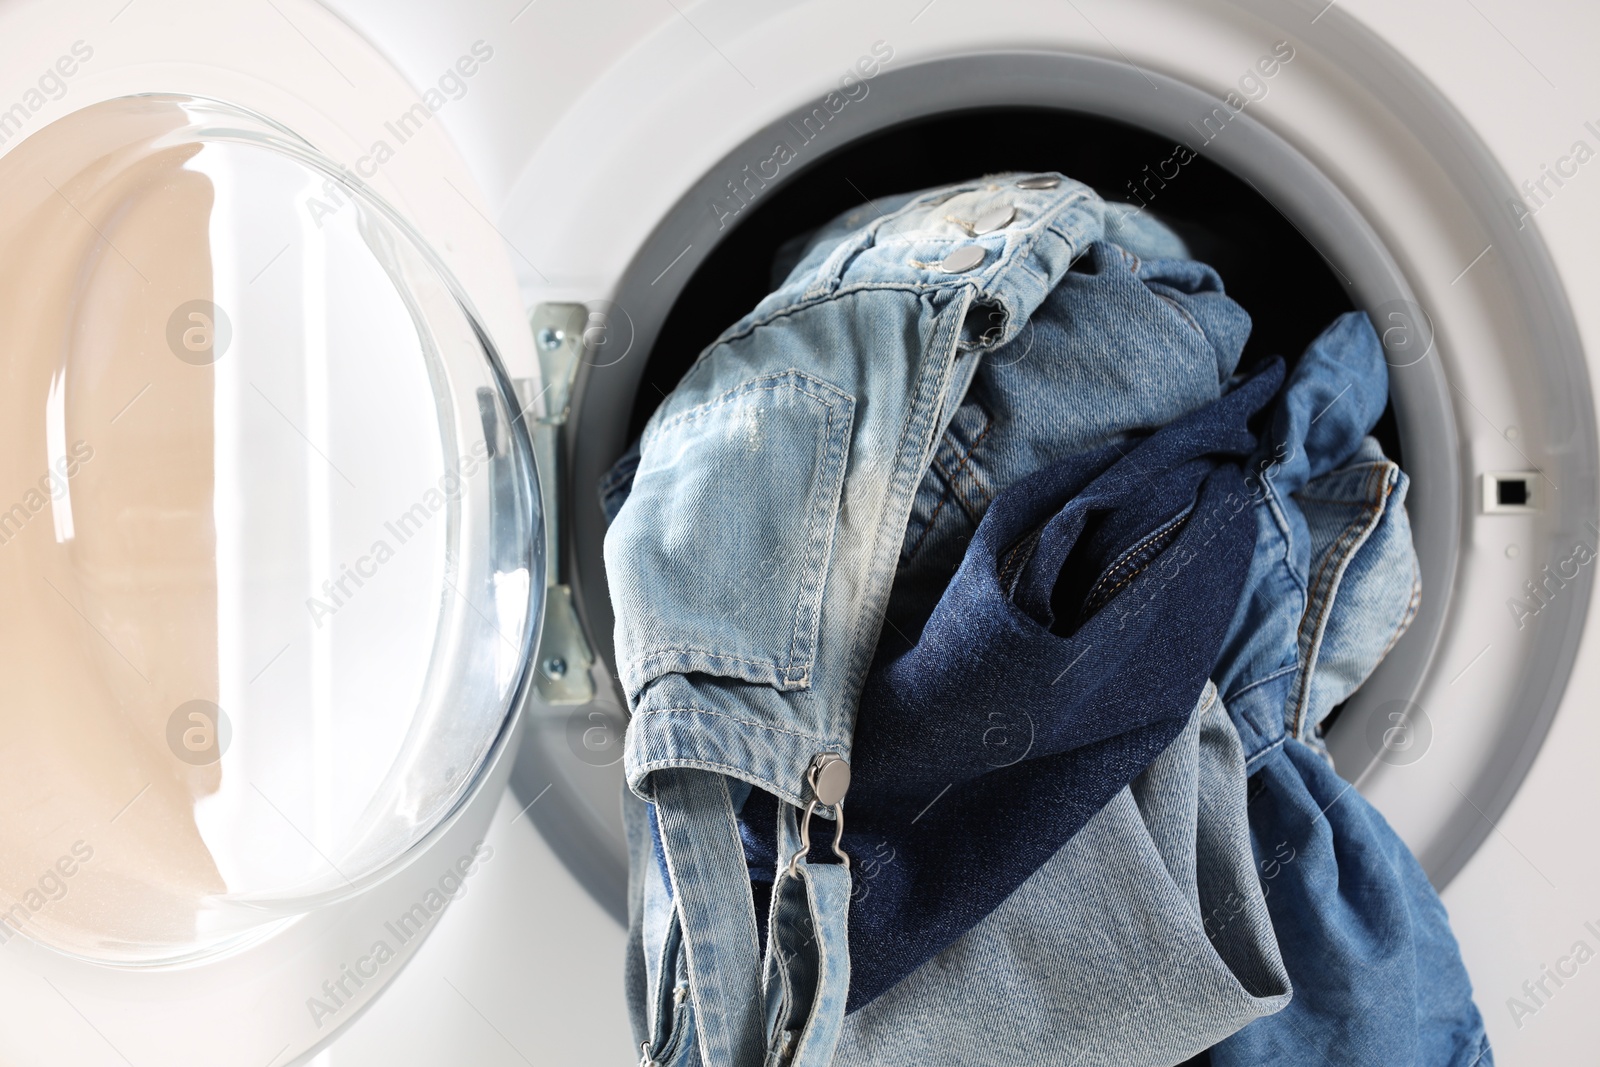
751,563
1055,390
785,1008
1086,615
1123,345
750,567
1141,942
1377,976
1135,229
1331,529
805,967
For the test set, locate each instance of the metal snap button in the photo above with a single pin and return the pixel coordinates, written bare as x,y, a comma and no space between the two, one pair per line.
994,219
1043,181
829,777
962,259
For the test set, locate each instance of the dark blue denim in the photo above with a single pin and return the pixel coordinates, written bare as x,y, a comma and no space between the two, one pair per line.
1087,613
1122,345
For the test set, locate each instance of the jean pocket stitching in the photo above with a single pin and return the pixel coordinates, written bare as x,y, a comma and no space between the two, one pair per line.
774,381
831,461
1134,562
1321,595
806,542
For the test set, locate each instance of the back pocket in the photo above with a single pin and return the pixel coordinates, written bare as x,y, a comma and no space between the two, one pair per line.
717,561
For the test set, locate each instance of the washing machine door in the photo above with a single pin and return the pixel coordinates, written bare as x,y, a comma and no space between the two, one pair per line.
269,536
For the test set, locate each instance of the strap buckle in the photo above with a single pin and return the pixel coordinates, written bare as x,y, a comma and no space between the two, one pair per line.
829,778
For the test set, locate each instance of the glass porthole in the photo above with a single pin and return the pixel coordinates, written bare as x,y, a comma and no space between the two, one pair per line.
268,533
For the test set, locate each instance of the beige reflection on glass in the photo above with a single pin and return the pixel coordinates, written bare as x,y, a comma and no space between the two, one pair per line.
108,579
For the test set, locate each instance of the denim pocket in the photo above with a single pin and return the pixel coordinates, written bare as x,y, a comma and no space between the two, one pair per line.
1364,585
733,512
1132,563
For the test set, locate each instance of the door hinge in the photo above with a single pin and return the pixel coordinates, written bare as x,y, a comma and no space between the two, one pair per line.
561,666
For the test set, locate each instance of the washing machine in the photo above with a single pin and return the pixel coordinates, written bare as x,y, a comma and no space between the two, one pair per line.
326,319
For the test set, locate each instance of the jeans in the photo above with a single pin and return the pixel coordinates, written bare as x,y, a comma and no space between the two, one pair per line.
750,567
1134,229
1331,532
1377,976
1177,335
1049,394
682,1000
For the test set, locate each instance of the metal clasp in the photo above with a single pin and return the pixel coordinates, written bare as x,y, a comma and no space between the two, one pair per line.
829,778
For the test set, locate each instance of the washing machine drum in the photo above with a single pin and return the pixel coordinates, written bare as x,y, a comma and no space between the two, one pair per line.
268,532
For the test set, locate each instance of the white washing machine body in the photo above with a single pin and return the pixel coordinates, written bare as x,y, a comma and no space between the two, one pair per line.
1430,154
1458,139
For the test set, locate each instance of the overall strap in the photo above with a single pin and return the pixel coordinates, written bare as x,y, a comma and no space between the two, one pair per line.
711,885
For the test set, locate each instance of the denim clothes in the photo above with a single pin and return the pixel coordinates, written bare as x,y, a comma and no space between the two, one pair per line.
1018,404
1178,338
1122,346
1376,973
1377,976
1086,616
1142,941
752,560
1053,392
1306,636
750,567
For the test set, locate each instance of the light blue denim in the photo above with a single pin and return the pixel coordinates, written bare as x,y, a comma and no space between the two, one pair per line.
1376,973
750,568
1143,941
1135,336
751,564
714,1002
1136,230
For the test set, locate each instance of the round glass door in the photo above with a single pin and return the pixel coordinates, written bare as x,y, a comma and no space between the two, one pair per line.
269,545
